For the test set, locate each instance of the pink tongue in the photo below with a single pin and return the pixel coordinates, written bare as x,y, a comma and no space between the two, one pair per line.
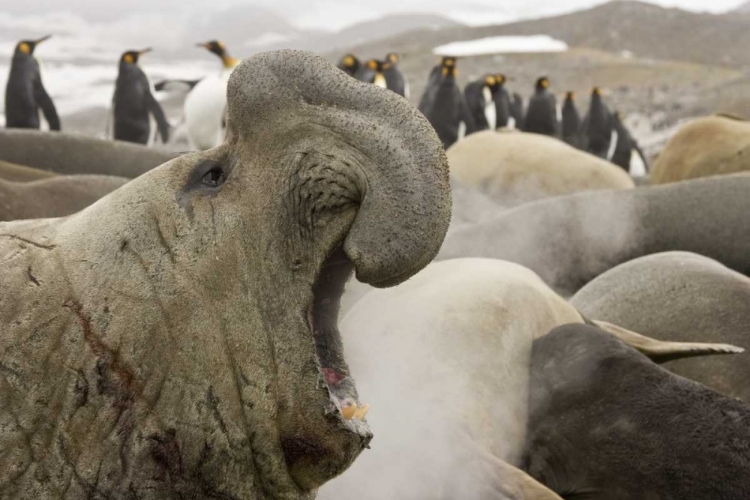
333,378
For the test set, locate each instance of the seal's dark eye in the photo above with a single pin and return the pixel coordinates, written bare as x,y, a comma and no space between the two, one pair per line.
214,177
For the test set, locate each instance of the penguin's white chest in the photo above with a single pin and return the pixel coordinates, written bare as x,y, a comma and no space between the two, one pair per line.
205,108
490,113
380,81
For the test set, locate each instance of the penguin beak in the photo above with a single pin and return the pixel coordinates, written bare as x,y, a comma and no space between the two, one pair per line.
145,51
37,42
204,45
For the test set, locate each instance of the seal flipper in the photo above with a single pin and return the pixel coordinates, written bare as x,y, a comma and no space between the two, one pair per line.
661,351
510,482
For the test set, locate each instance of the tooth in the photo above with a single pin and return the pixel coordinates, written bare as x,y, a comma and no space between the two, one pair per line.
349,411
361,412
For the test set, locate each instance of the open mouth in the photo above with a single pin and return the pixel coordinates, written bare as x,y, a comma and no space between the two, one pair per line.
323,322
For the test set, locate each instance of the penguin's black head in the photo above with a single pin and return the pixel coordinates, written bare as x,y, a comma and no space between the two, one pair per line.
448,66
131,56
570,96
492,83
379,66
26,47
218,48
393,58
349,63
542,83
501,79
596,91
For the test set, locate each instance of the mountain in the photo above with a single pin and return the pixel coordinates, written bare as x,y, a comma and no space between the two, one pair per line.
743,9
645,30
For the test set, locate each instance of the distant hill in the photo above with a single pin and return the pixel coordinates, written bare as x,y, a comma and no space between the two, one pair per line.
646,30
743,9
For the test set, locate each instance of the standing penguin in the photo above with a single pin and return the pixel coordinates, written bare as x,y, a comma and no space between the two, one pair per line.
134,104
628,154
541,115
480,98
597,128
443,104
571,121
206,104
503,105
517,111
349,64
385,74
25,94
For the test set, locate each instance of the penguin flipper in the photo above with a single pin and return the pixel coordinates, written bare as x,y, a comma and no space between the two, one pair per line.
161,120
48,107
642,155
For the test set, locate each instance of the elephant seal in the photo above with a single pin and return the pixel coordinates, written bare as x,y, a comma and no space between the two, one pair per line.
71,154
54,197
19,173
680,296
517,167
713,145
573,239
444,359
178,338
608,424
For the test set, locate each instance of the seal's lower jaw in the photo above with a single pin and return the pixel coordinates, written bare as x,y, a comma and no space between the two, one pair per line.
313,463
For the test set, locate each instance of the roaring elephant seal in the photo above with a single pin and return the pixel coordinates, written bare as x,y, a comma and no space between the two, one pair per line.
707,146
54,197
518,167
444,361
571,240
71,154
680,296
609,424
19,173
178,338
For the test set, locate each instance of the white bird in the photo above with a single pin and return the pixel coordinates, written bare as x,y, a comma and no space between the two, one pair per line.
205,105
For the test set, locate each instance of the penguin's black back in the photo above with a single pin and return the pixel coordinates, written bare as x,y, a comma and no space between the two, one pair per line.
598,127
571,123
503,108
395,80
21,106
541,115
517,111
131,105
624,147
474,95
444,106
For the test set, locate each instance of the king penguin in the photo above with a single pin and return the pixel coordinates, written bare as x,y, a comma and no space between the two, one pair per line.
571,121
394,77
480,98
628,154
134,104
443,104
541,115
206,104
599,136
517,110
25,94
503,105
349,64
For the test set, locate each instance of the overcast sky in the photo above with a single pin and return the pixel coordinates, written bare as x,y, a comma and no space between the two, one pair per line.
331,14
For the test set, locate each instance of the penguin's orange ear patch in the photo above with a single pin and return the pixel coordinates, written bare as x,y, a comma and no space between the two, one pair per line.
490,80
545,83
372,64
348,61
24,47
128,58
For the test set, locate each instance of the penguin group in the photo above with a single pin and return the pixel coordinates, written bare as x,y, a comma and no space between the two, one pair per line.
135,113
384,73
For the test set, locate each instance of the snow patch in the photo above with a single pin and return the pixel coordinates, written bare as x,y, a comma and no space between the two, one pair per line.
502,44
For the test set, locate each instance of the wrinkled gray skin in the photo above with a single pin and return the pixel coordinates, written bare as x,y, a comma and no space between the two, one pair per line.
608,424
170,341
571,240
20,173
683,297
54,197
70,154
